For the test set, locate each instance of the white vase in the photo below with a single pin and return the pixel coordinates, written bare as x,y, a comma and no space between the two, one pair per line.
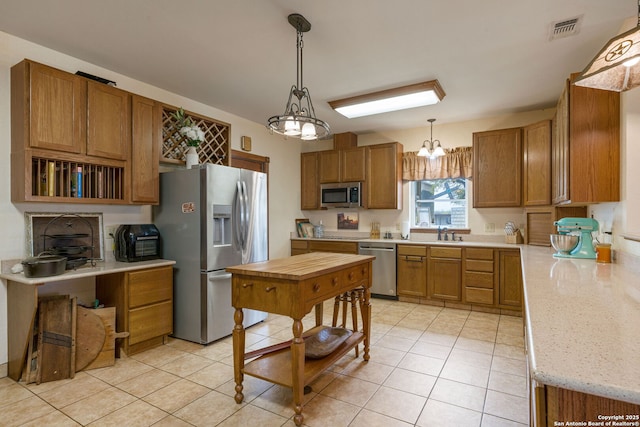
191,157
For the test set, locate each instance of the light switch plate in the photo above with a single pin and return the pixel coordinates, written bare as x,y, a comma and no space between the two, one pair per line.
489,227
245,143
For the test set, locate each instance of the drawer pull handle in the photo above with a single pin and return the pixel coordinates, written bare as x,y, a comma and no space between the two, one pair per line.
316,287
351,275
247,285
270,288
413,259
334,281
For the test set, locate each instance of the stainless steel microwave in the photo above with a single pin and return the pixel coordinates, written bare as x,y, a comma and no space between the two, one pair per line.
341,195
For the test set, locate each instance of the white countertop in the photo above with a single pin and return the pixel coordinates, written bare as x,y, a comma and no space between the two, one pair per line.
583,324
464,243
87,271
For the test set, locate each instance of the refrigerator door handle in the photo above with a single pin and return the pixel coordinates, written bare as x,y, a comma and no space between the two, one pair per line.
245,229
238,215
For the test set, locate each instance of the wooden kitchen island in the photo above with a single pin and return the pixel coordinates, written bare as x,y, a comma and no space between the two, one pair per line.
292,287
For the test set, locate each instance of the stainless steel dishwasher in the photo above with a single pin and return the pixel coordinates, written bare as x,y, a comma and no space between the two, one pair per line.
384,268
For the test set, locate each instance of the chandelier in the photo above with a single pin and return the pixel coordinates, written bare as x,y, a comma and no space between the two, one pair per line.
299,118
431,152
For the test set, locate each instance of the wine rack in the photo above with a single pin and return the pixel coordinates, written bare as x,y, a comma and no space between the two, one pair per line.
214,149
81,180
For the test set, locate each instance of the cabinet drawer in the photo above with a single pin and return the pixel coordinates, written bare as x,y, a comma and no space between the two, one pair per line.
340,247
479,253
412,250
476,265
479,296
150,322
265,295
356,274
478,280
299,244
438,252
150,286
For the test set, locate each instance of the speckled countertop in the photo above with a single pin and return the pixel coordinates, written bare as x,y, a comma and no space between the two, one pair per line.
583,324
582,320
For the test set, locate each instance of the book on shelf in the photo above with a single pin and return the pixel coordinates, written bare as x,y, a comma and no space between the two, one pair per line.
79,181
51,178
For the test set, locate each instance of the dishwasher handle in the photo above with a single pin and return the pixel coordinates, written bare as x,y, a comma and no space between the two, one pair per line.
371,248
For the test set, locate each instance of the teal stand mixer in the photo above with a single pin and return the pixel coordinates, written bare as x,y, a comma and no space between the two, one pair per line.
585,226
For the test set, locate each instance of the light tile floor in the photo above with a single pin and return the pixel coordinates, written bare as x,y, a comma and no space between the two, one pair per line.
429,367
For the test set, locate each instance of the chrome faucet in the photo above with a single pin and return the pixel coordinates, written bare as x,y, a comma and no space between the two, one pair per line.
439,233
446,236
453,236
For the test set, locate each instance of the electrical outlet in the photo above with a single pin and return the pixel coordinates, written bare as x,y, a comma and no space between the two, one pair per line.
110,231
397,226
489,227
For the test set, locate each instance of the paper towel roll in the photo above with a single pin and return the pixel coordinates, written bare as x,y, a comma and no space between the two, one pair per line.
405,230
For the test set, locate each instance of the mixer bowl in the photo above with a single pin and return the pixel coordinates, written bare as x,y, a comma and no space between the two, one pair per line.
564,243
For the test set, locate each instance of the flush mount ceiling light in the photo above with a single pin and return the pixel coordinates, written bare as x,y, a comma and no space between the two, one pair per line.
400,98
431,152
299,118
615,67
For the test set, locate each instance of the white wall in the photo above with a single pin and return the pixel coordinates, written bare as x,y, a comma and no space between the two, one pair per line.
451,135
283,206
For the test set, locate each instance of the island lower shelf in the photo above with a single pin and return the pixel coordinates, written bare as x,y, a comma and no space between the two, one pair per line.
275,367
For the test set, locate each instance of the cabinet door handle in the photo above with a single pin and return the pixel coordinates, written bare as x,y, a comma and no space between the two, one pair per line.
334,281
247,285
316,287
270,288
351,275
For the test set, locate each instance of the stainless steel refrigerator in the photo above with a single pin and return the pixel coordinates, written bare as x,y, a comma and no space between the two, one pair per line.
210,218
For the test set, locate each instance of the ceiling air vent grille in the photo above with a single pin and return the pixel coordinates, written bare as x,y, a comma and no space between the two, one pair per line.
565,28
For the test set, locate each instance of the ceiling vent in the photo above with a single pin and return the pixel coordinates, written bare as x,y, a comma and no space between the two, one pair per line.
565,28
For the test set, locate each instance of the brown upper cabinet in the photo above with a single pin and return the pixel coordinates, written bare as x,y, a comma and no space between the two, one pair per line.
537,164
384,176
74,140
497,168
586,146
329,166
309,185
48,108
145,132
108,121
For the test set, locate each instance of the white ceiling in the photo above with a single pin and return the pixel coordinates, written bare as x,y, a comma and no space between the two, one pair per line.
490,56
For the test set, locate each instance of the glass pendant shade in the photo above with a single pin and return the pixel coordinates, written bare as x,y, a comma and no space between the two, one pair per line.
291,127
308,132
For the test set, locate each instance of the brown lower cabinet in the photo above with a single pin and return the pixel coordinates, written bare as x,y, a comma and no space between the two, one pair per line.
412,270
510,277
444,273
144,305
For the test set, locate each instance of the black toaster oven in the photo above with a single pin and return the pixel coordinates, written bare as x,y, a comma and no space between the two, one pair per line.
137,242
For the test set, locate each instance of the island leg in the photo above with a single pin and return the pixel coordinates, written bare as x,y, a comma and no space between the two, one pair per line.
365,309
238,353
297,366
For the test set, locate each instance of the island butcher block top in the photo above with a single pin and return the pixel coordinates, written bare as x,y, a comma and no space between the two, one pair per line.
300,267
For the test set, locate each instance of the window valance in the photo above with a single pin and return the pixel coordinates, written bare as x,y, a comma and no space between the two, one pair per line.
456,163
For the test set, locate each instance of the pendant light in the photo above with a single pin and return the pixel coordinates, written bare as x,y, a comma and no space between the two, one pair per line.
615,67
431,152
299,118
